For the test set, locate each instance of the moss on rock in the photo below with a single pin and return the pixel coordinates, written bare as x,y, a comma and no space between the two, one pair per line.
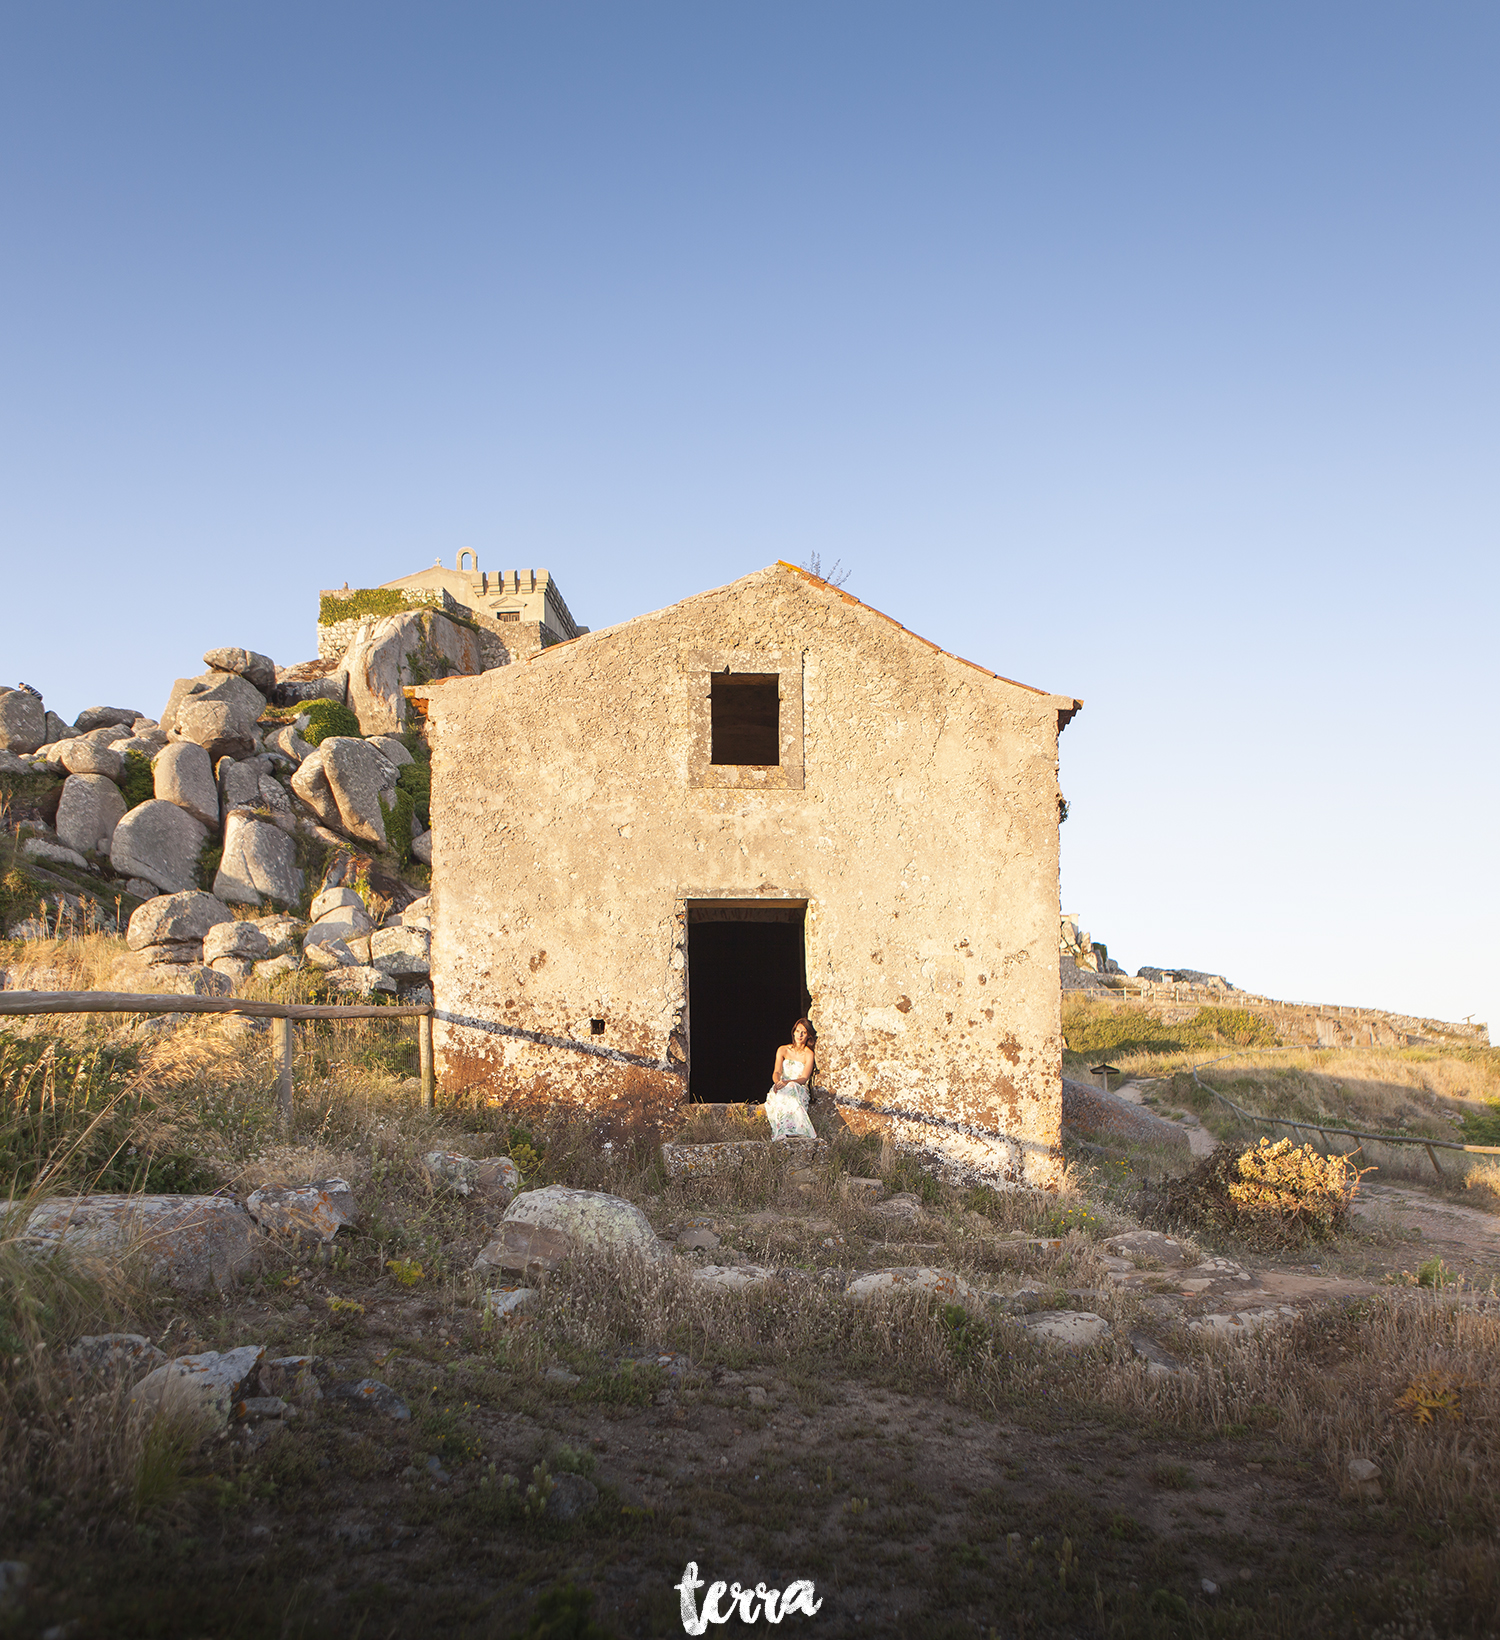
328,717
137,784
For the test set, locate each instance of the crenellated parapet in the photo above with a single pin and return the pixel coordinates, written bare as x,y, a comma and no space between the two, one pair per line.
516,611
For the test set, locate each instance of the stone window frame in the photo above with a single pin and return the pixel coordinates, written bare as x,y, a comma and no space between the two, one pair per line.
704,775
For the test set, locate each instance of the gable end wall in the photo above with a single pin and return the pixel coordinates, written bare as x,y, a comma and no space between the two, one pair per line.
572,825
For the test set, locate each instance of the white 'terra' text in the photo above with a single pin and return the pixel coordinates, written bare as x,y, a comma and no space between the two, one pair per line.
750,1604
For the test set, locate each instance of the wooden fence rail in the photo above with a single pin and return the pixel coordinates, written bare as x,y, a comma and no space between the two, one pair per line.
284,1013
1323,1129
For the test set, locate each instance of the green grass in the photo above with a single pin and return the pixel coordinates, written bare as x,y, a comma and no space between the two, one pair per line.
1098,1029
137,784
416,780
210,857
398,825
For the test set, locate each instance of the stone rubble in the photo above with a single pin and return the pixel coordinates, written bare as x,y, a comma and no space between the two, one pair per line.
312,1212
493,1179
1072,1329
1364,1476
735,1277
115,1352
500,1302
201,1386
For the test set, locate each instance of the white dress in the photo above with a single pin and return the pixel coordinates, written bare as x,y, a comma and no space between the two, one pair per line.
786,1107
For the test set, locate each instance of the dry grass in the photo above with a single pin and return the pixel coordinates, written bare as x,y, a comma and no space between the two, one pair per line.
1329,1388
71,1445
75,1464
73,963
1369,1086
1453,1095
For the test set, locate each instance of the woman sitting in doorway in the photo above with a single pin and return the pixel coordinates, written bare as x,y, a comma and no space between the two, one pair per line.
786,1103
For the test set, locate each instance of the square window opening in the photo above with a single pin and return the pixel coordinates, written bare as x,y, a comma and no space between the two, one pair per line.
596,1027
745,718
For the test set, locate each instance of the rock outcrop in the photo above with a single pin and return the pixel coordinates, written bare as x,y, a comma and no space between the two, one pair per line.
313,1212
543,1227
221,786
396,650
191,1243
361,780
23,721
258,670
183,773
185,917
259,863
204,1386
161,843
88,812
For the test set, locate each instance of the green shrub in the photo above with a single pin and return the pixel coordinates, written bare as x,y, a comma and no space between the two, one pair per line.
137,784
30,796
356,605
1237,1027
312,861
1483,1127
18,898
328,717
1100,1029
209,858
1103,1030
563,1614
398,828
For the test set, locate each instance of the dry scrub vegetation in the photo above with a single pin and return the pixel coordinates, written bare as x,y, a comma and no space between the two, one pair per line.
930,1466
1448,1093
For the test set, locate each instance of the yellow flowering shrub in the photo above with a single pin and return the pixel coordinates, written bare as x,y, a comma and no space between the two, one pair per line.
1271,1194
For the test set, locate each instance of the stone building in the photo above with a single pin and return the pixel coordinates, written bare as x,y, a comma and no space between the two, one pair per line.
657,845
515,612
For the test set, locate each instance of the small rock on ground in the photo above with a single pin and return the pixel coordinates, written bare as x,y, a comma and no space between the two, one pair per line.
372,1396
502,1301
570,1497
1067,1328
736,1277
114,1352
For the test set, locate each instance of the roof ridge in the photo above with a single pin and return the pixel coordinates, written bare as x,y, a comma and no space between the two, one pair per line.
848,597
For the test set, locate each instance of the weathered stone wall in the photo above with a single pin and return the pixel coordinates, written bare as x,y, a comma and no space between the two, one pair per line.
501,643
576,817
1297,1024
336,636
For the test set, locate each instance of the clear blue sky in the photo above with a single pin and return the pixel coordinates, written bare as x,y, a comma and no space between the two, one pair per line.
1146,353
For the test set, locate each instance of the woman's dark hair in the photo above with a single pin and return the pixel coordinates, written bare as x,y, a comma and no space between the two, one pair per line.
812,1035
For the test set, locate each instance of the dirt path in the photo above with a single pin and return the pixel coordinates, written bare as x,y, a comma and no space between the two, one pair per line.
1200,1141
1460,1235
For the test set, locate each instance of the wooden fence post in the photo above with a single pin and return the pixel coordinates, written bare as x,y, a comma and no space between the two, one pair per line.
283,1038
424,1040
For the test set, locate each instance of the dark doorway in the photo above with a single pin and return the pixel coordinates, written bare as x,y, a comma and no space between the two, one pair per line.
747,982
